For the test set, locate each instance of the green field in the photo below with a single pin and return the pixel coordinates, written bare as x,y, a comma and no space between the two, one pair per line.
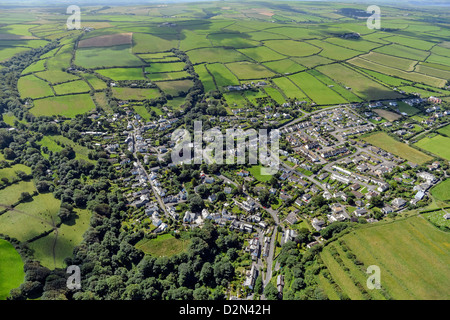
292,48
316,90
289,88
11,194
285,66
437,218
261,54
445,130
10,172
437,145
247,70
163,246
385,142
68,106
115,56
175,87
165,67
33,87
255,171
403,52
212,55
52,249
11,269
135,93
78,86
35,67
205,77
411,254
222,75
118,74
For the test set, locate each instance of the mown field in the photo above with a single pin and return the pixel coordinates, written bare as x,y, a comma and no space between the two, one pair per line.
385,142
411,253
11,269
163,246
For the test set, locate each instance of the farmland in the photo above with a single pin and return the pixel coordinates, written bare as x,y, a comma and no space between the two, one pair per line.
385,142
410,254
11,269
436,144
69,105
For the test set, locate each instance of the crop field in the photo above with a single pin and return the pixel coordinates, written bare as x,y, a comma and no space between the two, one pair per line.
402,150
11,269
32,87
69,105
437,145
387,80
411,42
78,86
316,90
410,254
442,190
443,74
247,70
285,66
135,93
118,74
360,85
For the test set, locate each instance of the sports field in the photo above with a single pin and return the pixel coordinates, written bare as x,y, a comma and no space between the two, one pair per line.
411,253
385,142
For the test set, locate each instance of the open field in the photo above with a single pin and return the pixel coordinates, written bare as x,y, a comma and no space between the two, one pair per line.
222,75
390,61
78,86
11,194
95,82
165,67
359,84
411,255
98,57
68,106
33,87
175,87
107,40
285,66
135,93
255,171
385,142
316,90
118,74
163,246
261,54
388,115
403,52
211,55
11,269
292,48
445,130
437,145
52,249
205,77
10,172
289,88
247,70
437,218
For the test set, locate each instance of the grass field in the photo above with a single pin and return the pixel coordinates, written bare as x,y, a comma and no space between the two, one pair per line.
144,43
68,106
33,87
388,115
285,66
81,152
445,130
115,56
95,82
11,269
359,84
163,246
11,194
256,172
292,48
437,145
437,218
78,86
261,54
135,93
385,142
175,87
211,55
222,75
289,88
247,70
390,61
162,76
165,67
123,73
411,254
35,67
10,172
403,52
316,90
52,249
205,77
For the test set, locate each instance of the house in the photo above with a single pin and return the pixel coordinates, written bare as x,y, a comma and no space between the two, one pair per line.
447,216
227,190
306,197
292,217
360,212
387,209
212,198
419,195
251,277
317,224
398,203
355,187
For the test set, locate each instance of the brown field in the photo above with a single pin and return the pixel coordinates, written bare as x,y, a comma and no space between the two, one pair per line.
388,115
107,40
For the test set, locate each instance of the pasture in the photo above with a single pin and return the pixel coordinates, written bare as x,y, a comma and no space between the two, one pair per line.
11,269
78,86
411,254
222,75
442,190
163,246
292,48
402,150
68,106
135,93
106,57
437,145
388,115
118,74
247,70
32,87
285,66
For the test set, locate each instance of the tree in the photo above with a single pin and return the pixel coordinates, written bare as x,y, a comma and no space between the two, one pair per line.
270,292
258,288
25,196
66,212
196,204
377,201
9,154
